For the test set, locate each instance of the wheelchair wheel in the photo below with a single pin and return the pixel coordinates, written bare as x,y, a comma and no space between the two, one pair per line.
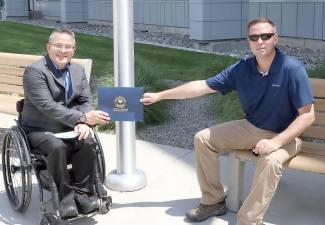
16,169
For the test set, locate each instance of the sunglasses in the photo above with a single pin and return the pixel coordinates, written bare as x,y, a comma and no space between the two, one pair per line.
264,37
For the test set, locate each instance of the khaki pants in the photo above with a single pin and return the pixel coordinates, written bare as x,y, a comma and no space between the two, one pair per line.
240,134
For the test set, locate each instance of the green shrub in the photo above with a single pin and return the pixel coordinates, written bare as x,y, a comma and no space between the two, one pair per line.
227,107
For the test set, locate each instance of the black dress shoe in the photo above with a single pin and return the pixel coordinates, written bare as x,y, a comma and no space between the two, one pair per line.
86,204
68,208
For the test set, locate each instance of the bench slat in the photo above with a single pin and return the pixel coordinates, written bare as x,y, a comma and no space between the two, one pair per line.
10,70
9,79
303,161
307,162
320,105
313,151
318,87
11,89
319,146
315,132
18,59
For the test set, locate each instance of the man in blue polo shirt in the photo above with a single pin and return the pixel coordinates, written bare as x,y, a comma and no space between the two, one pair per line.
276,97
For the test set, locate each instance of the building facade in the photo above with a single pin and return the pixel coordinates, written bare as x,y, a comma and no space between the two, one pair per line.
203,20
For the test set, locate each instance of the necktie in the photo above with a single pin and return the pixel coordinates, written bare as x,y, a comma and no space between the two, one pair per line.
67,82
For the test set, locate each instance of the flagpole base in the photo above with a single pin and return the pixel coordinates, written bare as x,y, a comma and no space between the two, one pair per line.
126,182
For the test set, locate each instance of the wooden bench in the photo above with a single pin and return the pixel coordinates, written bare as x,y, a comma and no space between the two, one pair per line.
12,67
311,157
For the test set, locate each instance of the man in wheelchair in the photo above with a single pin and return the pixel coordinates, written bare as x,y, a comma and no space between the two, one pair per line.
58,99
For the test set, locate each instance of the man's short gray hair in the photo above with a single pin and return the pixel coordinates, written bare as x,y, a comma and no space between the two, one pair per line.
260,20
62,31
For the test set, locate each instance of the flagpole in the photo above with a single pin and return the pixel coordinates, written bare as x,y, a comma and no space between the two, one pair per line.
126,177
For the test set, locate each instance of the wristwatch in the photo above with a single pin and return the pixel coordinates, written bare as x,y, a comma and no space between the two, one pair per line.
82,118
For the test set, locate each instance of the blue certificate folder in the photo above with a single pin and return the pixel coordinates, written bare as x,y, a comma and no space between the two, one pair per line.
122,103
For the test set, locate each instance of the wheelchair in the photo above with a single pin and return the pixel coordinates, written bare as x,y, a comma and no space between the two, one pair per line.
18,163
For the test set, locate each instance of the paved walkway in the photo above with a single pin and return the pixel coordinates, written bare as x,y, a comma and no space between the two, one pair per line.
172,189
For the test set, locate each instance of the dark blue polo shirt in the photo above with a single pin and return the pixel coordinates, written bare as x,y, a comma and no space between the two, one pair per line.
270,102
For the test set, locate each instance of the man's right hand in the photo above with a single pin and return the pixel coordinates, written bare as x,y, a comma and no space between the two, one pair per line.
150,98
83,131
96,116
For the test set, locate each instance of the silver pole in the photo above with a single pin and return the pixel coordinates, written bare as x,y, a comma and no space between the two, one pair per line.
126,177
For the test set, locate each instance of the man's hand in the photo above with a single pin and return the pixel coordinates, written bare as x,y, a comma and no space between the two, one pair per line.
96,116
150,98
83,130
266,146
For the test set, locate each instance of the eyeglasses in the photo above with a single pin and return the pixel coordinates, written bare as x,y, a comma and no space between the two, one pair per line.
264,37
62,46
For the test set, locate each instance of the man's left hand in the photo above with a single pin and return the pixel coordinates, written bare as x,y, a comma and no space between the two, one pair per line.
83,130
266,146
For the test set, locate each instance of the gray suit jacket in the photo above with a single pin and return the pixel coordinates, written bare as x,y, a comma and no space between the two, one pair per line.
45,107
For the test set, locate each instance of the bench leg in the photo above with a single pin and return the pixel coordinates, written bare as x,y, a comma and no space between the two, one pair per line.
235,182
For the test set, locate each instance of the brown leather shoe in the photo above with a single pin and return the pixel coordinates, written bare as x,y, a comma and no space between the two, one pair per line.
203,212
